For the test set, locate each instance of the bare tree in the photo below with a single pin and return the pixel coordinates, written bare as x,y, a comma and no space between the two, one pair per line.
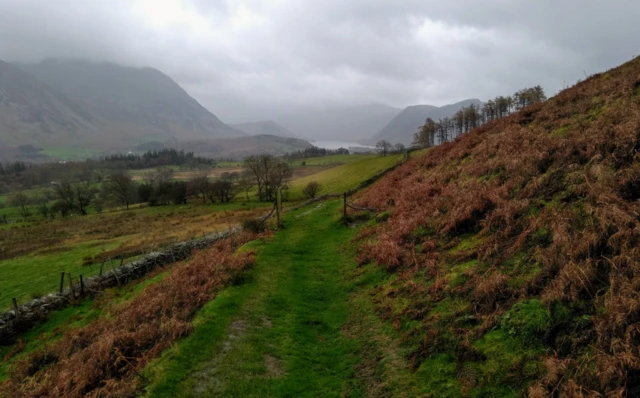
270,174
121,187
84,193
200,188
247,182
399,148
66,198
159,176
22,201
223,190
312,189
383,147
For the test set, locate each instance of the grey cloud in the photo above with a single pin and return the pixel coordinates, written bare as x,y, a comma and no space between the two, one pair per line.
254,59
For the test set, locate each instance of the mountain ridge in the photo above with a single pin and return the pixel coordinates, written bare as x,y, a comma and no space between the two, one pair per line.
261,127
125,103
406,123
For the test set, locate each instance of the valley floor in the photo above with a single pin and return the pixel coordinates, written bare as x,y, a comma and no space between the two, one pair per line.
301,324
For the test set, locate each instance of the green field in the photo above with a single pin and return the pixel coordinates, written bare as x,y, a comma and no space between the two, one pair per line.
34,252
70,153
47,248
347,176
332,160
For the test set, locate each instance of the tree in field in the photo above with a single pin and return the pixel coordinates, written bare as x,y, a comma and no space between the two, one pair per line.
223,190
383,147
159,176
200,188
84,193
247,182
399,148
312,189
121,188
270,174
65,198
22,201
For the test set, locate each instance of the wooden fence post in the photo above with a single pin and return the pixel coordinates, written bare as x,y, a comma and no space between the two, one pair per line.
102,266
61,282
277,213
81,286
15,305
344,197
73,294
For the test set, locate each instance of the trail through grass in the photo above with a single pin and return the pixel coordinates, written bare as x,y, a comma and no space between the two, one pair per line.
294,328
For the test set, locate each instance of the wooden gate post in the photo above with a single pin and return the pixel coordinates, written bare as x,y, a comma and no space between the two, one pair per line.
61,282
15,305
277,209
73,294
344,197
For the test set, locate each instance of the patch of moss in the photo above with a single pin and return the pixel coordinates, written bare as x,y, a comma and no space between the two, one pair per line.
382,217
440,376
423,231
541,237
560,132
450,306
467,242
511,364
595,112
528,320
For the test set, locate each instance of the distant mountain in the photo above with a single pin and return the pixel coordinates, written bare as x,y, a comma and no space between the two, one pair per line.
345,124
237,148
402,127
268,127
135,104
32,112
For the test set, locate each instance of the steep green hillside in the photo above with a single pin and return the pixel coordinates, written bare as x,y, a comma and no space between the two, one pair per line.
515,249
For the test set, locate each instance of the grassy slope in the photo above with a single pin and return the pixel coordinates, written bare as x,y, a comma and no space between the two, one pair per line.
516,249
70,318
301,325
345,177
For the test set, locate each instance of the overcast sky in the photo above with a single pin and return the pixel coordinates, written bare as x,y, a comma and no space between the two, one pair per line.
251,59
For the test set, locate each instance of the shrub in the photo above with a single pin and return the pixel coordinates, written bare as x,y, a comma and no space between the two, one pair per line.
312,189
254,225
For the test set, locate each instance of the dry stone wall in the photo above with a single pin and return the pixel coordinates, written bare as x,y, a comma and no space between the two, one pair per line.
34,311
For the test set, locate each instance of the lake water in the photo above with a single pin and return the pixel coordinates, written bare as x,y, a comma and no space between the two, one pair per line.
338,144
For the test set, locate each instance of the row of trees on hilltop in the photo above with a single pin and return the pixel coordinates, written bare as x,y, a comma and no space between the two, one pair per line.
466,119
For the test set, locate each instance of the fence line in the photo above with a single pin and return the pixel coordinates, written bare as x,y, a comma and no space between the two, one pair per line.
21,318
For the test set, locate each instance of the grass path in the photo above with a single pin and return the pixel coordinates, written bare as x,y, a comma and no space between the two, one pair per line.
297,327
